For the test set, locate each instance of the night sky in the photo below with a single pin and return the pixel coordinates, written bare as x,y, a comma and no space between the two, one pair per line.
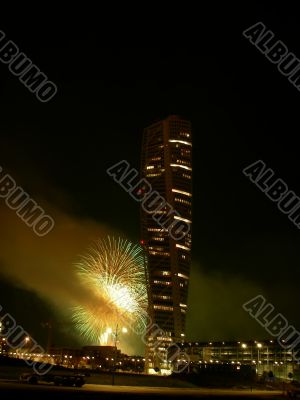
242,110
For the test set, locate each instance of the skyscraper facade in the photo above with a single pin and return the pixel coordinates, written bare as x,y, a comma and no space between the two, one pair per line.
167,166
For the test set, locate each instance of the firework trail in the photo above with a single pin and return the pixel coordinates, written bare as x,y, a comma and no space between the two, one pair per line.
114,271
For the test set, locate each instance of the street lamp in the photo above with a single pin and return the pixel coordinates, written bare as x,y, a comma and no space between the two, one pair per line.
27,340
244,346
259,346
124,330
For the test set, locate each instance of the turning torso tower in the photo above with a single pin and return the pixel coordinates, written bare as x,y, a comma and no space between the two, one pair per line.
167,166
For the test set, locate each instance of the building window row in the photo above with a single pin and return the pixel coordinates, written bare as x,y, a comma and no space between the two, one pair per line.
183,276
162,297
182,201
180,141
185,134
183,162
166,283
188,221
180,246
153,175
164,339
156,248
181,166
186,176
155,158
158,239
182,192
157,212
185,152
159,253
163,308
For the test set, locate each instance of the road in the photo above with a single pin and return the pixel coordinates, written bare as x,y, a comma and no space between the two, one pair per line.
127,392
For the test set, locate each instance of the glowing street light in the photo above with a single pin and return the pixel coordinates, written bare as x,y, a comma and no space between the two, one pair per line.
259,346
124,330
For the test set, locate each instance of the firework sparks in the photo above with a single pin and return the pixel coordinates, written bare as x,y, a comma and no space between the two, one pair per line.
114,270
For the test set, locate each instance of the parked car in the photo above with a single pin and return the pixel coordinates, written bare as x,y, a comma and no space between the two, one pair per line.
29,378
57,379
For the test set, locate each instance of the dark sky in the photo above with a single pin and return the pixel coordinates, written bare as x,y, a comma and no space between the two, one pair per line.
242,109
